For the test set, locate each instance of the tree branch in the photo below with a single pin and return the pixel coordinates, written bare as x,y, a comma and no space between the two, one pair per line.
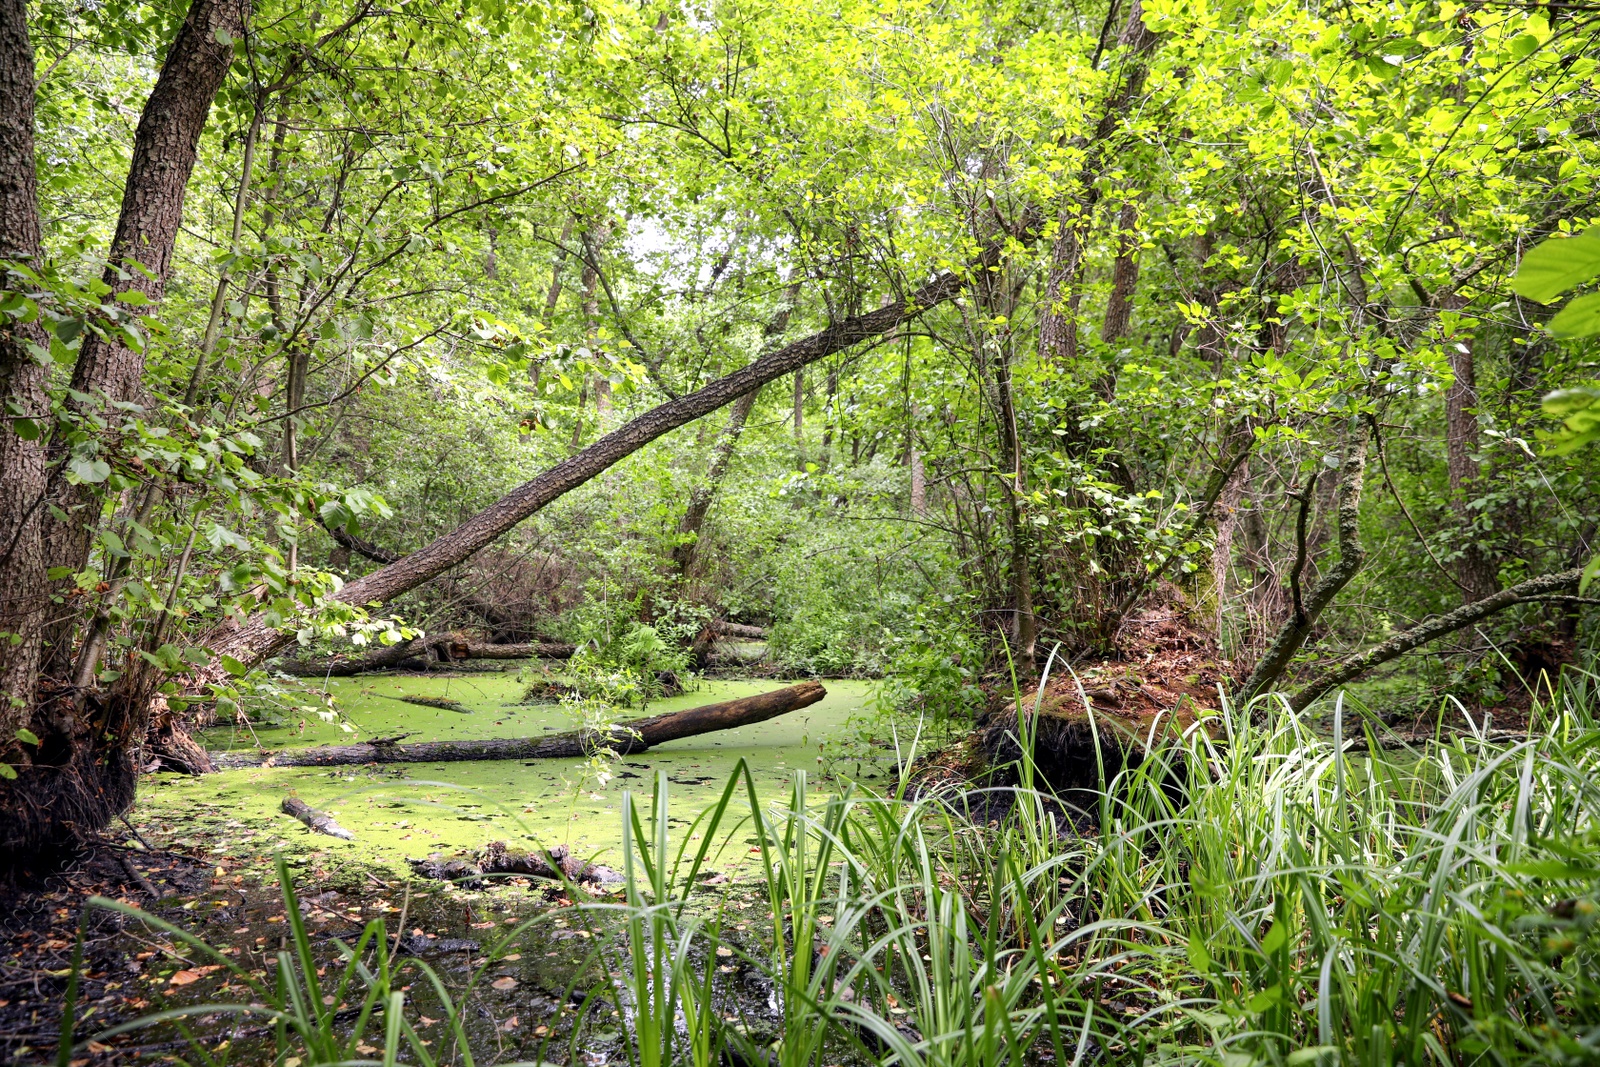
1533,589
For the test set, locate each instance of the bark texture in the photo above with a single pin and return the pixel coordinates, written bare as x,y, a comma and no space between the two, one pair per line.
164,151
22,395
700,498
627,738
1058,320
421,654
1476,572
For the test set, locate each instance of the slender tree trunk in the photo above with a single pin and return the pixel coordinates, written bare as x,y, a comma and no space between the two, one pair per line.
1058,321
1475,570
1295,631
700,500
1422,633
800,419
164,151
552,296
694,516
1119,305
23,599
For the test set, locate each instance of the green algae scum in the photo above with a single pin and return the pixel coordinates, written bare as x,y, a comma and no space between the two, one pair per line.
409,811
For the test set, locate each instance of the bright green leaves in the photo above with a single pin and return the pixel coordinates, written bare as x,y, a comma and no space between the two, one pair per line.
1579,412
1581,318
1558,264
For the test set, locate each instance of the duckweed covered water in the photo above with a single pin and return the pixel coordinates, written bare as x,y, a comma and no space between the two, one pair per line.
410,810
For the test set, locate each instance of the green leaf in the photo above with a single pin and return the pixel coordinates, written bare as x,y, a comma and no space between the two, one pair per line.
234,667
1265,999
1581,318
27,736
1199,958
6,771
1312,1054
1523,47
1555,265
91,470
1590,573
1276,938
1564,403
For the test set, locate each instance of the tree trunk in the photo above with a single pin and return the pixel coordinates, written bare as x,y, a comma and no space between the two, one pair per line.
1058,321
1421,634
625,739
1294,632
164,150
444,648
800,419
700,498
23,600
256,638
1119,305
320,821
1475,570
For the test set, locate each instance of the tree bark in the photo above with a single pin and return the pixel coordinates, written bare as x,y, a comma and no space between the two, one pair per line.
1422,633
24,407
1119,304
255,638
165,147
1297,628
626,739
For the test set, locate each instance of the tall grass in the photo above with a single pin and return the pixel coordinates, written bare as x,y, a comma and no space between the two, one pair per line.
1305,899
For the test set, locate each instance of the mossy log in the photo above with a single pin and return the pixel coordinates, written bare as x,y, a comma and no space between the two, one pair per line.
423,653
625,738
498,858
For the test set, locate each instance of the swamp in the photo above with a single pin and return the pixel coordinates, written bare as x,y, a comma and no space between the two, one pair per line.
738,533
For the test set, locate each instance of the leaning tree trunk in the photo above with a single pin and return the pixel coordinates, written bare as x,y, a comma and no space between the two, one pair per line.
1419,635
22,379
256,638
700,498
1295,631
165,147
624,738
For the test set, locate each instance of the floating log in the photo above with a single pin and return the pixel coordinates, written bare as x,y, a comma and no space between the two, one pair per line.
422,653
499,858
739,629
433,702
320,821
626,738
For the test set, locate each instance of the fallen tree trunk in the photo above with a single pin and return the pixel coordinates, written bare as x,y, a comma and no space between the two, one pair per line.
499,858
421,654
262,634
739,629
320,821
1421,634
625,738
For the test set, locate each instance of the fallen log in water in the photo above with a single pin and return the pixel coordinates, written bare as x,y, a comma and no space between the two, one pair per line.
625,738
499,858
320,821
422,653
